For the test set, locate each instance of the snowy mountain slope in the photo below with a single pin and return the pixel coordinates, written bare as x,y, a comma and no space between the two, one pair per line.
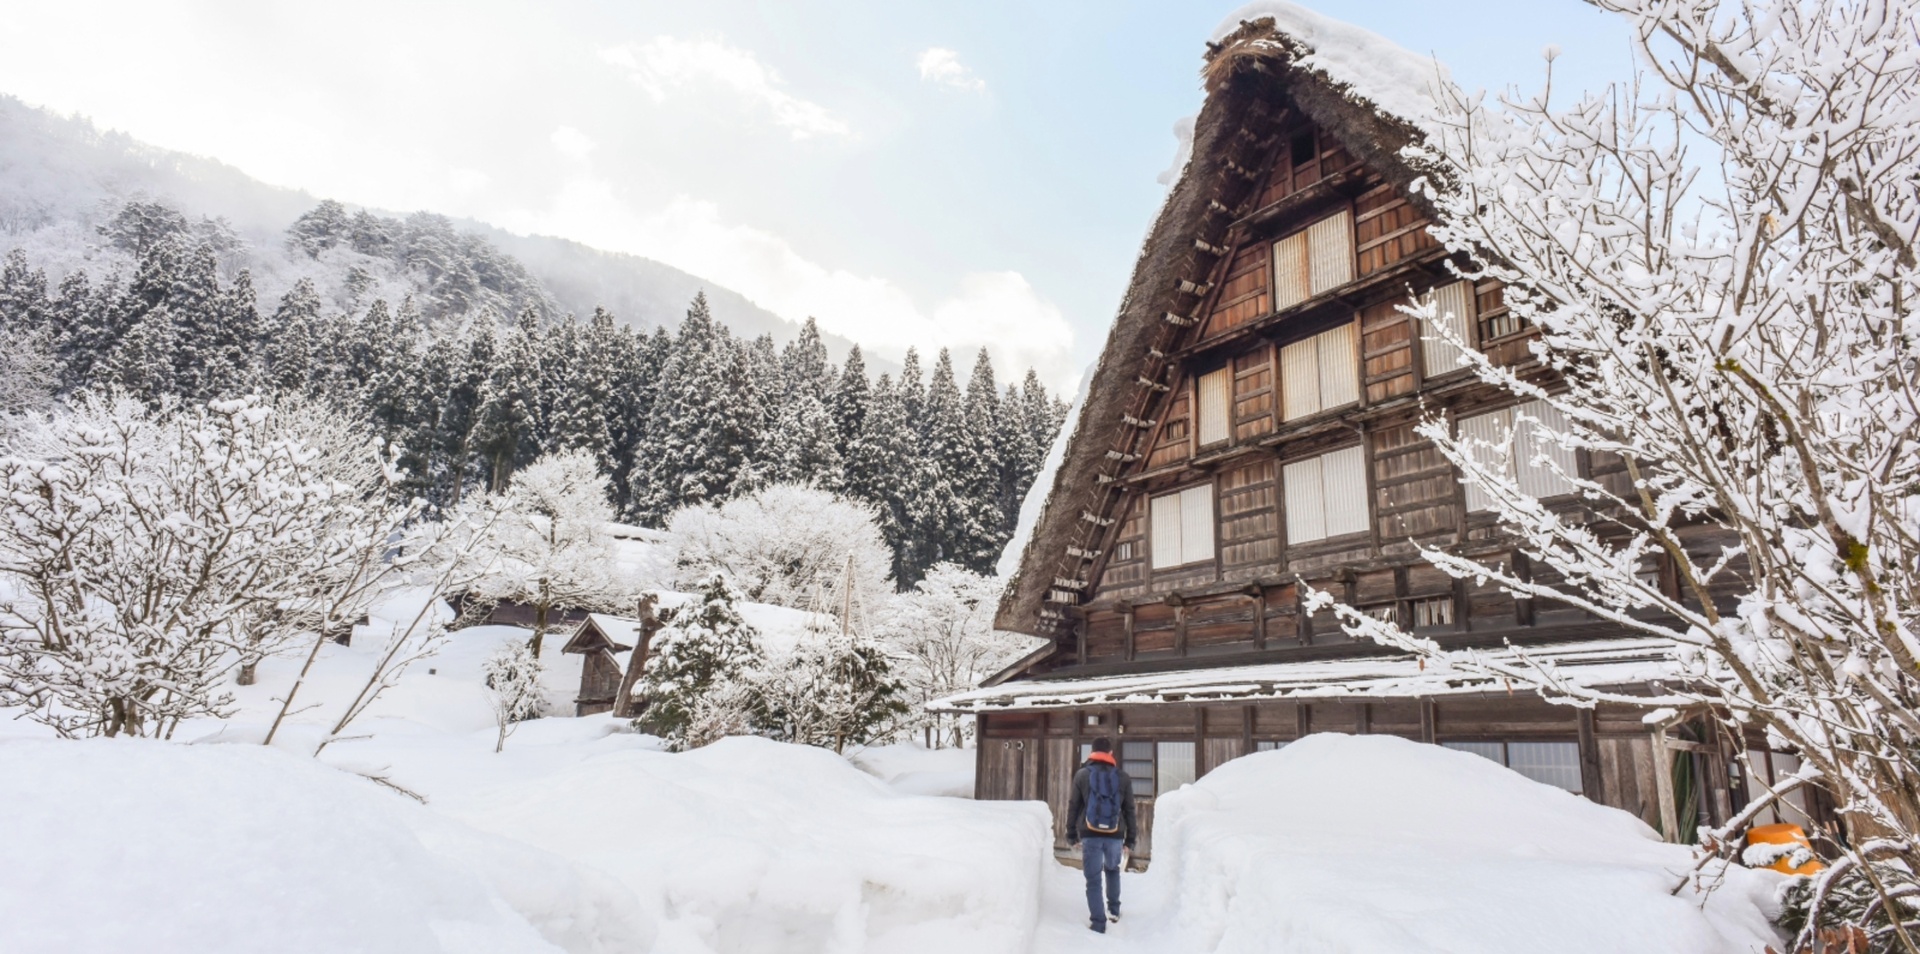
60,176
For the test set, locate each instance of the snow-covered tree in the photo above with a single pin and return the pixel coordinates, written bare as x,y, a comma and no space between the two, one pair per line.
697,685
785,545
147,555
550,548
837,687
512,677
942,630
1721,261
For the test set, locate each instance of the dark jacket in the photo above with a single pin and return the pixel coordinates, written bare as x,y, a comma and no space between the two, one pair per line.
1077,808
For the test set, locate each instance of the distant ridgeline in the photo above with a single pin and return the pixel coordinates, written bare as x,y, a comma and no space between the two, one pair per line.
458,359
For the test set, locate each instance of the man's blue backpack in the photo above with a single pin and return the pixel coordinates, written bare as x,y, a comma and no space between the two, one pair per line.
1105,788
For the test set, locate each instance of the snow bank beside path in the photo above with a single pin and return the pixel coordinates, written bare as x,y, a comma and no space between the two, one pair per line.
1377,844
749,846
150,846
913,769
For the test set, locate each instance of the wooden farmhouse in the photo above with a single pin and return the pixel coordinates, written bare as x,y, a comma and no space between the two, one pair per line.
1250,428
603,642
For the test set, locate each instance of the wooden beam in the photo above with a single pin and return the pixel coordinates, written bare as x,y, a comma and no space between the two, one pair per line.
1663,786
1590,773
1428,720
1302,719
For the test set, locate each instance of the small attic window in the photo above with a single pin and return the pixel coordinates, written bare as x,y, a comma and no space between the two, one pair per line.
1300,150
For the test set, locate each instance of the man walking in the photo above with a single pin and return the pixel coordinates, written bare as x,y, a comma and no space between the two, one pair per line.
1100,821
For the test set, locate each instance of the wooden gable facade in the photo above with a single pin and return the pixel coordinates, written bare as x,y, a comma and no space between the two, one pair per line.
1252,428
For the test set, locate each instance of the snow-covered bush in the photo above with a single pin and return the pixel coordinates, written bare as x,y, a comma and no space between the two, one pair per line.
146,555
551,548
1721,260
942,629
786,545
512,676
697,686
837,688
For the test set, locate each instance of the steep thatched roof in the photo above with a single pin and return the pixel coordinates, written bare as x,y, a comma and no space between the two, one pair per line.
1254,75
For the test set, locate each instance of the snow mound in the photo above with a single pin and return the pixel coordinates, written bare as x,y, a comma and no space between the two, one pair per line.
1377,844
914,769
749,846
153,846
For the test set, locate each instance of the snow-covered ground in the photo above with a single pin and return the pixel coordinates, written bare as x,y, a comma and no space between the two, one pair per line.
585,836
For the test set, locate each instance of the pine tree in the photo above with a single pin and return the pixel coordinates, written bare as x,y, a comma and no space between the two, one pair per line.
734,463
672,465
24,306
507,433
913,394
852,395
470,364
881,471
142,360
805,368
581,384
695,685
291,344
635,383
979,537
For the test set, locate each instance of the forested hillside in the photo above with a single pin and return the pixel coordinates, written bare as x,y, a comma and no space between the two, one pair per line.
61,179
473,374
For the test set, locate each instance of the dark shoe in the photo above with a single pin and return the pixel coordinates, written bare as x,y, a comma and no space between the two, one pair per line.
1097,927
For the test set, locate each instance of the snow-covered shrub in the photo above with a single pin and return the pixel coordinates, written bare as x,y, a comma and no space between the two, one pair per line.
551,548
1844,911
786,545
512,676
835,689
146,555
942,630
699,670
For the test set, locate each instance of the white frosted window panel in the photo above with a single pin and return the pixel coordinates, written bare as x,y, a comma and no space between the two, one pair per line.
1300,379
1165,518
1196,524
1478,431
1495,751
1174,766
1343,483
1339,367
1306,509
1534,443
1452,311
1215,389
1291,282
1330,242
1551,763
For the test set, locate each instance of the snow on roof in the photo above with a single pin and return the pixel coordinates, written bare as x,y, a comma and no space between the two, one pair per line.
623,631
1606,662
1394,79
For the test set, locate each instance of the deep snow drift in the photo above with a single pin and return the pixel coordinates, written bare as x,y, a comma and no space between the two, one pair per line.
1378,844
584,836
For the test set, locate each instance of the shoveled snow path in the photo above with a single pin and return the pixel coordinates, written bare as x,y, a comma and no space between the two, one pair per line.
1062,927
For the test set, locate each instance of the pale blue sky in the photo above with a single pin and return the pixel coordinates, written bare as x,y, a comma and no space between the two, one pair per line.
942,174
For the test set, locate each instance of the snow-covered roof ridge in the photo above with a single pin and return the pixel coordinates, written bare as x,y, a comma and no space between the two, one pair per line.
1603,662
1391,78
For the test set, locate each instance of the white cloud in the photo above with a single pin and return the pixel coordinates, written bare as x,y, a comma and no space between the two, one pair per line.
667,64
1000,311
571,142
941,65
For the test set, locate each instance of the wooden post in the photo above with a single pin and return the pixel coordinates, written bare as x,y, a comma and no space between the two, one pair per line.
1302,720
1126,616
1428,717
1259,594
1590,780
1246,730
1363,719
1179,605
1663,786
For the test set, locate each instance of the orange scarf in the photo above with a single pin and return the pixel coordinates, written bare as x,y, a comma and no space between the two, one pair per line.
1106,757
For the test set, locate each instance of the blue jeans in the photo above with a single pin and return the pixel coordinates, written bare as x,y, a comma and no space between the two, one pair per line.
1098,855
